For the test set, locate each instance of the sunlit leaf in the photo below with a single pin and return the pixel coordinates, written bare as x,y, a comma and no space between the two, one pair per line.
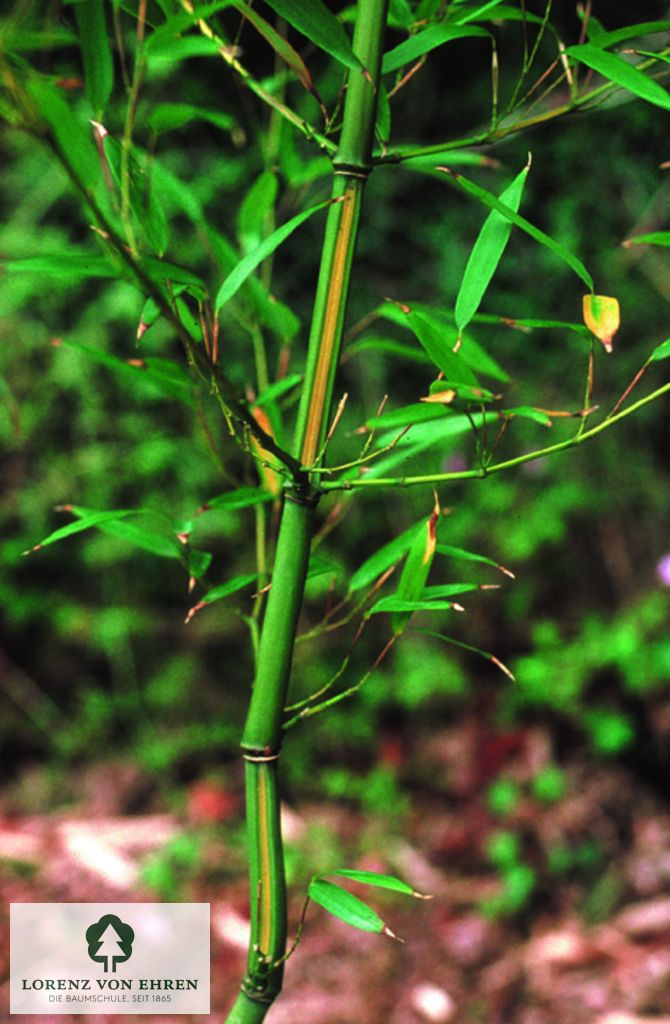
147,530
245,267
423,42
471,556
487,253
402,608
621,73
63,264
602,316
85,523
415,413
602,40
414,573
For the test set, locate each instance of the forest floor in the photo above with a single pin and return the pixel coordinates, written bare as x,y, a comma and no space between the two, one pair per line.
588,942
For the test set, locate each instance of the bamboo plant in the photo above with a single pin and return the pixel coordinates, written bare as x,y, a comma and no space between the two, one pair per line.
120,186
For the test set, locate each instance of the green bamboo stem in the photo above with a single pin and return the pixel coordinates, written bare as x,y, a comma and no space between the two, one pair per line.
262,735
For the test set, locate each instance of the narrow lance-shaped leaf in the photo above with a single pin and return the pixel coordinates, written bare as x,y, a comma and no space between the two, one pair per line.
471,556
487,253
383,559
96,53
381,881
423,42
313,19
651,238
402,609
348,908
621,73
245,267
64,264
493,203
85,523
469,647
221,591
661,352
602,40
165,117
416,569
602,316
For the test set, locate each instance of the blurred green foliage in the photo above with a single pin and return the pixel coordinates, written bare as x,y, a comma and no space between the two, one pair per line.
97,657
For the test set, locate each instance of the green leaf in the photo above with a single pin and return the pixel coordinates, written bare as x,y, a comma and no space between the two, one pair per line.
389,347
471,556
651,238
246,267
443,590
477,14
63,264
414,574
93,519
253,213
96,53
168,50
376,879
487,253
373,567
490,200
661,352
243,497
281,46
156,534
423,42
467,647
424,436
527,412
418,412
167,377
342,904
144,203
503,12
621,35
74,141
383,123
314,21
469,349
402,608
621,73
229,587
319,566
279,388
19,40
434,336
165,117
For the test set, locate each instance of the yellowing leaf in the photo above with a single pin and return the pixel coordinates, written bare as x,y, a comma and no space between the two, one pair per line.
602,317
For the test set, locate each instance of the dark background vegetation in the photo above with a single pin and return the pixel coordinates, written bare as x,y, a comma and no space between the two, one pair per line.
97,666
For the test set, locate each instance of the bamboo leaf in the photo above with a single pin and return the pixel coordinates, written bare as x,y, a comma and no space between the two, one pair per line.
96,53
389,347
434,337
621,35
253,212
651,238
282,48
402,608
314,21
467,647
166,117
246,267
661,352
414,573
377,879
471,556
423,42
144,203
487,253
477,13
383,558
243,497
442,590
72,138
503,12
415,413
166,376
345,906
85,523
279,388
490,200
602,317
529,413
63,264
229,587
621,73
155,534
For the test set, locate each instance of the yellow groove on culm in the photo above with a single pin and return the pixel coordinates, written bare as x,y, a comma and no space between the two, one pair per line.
331,318
264,856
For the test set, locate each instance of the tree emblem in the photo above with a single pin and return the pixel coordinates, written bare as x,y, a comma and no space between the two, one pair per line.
110,941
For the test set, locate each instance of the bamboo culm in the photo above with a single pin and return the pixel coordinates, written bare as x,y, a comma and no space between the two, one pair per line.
262,735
